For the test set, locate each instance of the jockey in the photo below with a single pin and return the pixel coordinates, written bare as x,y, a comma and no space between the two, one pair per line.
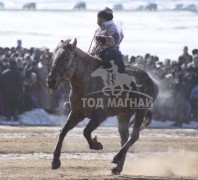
107,40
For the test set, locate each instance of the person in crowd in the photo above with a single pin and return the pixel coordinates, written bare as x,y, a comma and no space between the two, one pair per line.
178,95
150,63
185,58
43,90
194,102
32,75
11,88
27,82
185,81
147,56
132,60
2,68
19,44
107,39
194,53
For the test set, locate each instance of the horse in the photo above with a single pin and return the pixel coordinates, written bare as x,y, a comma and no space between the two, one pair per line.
87,100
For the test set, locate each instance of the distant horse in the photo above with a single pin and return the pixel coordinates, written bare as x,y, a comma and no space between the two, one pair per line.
71,63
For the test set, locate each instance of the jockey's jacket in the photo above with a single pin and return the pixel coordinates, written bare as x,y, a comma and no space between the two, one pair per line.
112,34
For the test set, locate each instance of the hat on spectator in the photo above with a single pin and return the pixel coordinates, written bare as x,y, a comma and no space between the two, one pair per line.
195,51
27,56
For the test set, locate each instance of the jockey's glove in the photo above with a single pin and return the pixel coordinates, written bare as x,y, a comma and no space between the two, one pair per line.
101,39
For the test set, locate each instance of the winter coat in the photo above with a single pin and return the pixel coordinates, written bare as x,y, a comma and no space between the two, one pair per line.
112,34
11,81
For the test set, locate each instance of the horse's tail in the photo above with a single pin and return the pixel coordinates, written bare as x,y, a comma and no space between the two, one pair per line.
146,121
156,90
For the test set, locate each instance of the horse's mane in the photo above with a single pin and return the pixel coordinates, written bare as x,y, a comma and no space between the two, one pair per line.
86,56
83,55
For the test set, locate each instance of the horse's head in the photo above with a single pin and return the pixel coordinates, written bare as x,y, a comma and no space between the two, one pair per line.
63,63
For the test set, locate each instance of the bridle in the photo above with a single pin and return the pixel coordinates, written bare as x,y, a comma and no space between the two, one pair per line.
71,67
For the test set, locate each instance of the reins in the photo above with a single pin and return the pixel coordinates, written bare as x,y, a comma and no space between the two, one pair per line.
77,56
91,44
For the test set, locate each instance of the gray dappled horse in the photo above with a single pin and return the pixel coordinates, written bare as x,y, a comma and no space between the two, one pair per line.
71,63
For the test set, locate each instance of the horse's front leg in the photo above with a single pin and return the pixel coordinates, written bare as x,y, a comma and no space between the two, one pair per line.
72,121
121,155
95,121
123,126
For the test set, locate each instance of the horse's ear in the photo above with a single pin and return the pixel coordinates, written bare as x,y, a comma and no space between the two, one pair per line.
74,43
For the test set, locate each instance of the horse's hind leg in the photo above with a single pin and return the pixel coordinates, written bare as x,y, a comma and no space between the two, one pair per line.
95,121
120,157
72,121
123,126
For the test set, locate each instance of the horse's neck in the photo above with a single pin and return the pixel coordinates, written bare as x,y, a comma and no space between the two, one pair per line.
86,58
85,65
82,54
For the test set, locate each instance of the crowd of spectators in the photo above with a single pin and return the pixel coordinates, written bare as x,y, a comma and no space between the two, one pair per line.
178,83
23,86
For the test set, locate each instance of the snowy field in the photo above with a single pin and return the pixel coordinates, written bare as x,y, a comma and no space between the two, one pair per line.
39,117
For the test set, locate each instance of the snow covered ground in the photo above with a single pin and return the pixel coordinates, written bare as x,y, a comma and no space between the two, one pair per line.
38,117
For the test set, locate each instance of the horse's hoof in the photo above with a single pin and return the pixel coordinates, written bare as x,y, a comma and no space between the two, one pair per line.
115,171
96,146
116,159
56,164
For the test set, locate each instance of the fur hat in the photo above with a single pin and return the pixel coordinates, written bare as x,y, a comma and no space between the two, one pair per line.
107,14
107,9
